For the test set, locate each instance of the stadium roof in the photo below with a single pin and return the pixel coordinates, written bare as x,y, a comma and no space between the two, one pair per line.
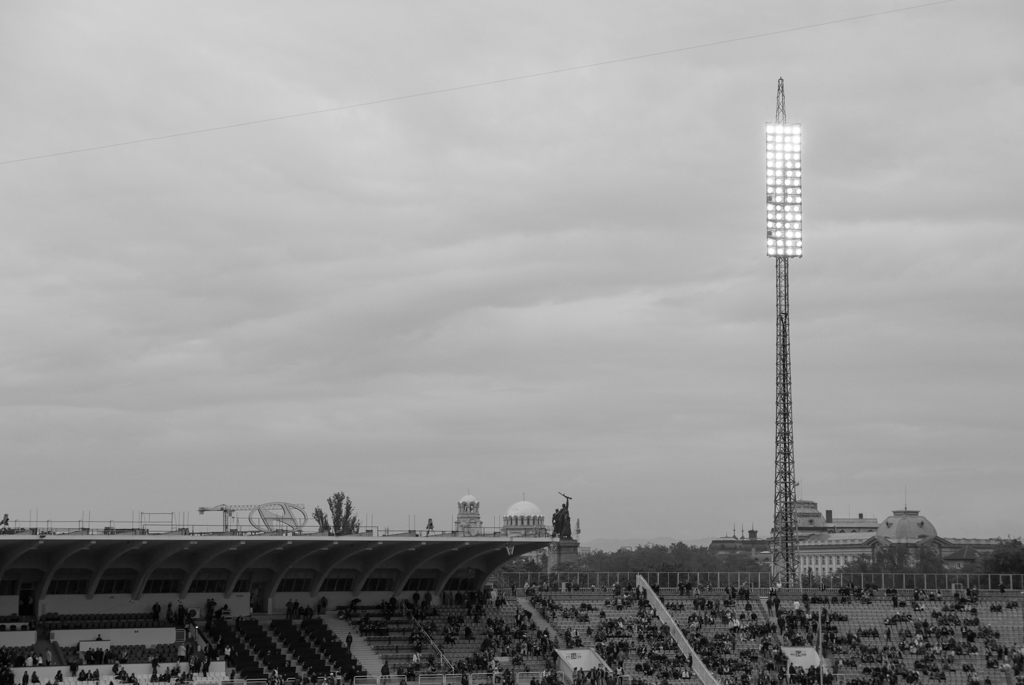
42,557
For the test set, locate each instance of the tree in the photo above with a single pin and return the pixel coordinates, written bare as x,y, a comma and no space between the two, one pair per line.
524,565
677,557
861,564
1006,557
929,560
321,520
343,518
894,559
898,559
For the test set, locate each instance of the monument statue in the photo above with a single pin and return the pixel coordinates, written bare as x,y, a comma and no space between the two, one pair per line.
561,521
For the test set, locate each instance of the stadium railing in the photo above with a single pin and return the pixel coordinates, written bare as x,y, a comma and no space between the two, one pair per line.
437,650
429,679
760,582
699,669
177,527
524,677
379,680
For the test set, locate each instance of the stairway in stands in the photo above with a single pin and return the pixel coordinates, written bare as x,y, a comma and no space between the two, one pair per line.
331,646
361,649
306,658
270,653
244,663
538,618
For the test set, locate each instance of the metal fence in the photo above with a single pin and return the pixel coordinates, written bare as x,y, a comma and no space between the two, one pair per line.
431,679
145,680
761,582
179,525
379,680
521,678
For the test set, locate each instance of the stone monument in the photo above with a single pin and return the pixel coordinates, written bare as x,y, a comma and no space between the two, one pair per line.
564,549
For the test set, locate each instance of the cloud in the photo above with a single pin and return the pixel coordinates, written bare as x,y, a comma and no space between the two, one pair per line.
551,283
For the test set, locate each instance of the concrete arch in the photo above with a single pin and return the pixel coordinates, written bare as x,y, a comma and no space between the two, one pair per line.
203,559
255,555
375,562
422,557
461,562
15,554
56,564
160,555
106,561
330,566
277,577
492,560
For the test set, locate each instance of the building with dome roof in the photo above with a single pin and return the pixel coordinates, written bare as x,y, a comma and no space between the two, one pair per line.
827,543
844,540
906,526
524,519
468,521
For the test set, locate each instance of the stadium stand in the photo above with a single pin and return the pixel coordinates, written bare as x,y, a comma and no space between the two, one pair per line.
867,637
327,643
471,632
140,604
299,648
618,624
71,602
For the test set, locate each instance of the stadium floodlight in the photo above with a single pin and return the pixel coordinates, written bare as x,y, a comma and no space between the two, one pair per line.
784,190
785,239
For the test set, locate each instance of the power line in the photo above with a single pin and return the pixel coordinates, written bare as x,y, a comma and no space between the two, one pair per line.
480,84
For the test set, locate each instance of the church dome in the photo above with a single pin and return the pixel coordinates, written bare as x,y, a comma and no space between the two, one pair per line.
468,499
906,525
523,508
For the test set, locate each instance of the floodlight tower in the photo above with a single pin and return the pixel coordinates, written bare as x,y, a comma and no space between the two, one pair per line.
785,241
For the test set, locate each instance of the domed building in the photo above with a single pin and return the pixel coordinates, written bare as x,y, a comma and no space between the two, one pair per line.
524,519
468,521
829,543
844,540
906,527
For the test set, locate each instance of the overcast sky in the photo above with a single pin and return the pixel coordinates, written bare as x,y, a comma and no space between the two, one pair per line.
556,283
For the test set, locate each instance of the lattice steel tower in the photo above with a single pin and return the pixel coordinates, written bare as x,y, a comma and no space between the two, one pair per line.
785,241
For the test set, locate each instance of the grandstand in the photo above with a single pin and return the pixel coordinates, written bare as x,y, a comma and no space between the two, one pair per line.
735,634
192,605
124,604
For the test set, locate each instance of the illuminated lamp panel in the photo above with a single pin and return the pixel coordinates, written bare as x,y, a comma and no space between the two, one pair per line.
784,191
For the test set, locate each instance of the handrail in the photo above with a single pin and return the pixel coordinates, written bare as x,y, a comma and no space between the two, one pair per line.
524,677
380,680
114,527
705,675
760,583
444,659
431,679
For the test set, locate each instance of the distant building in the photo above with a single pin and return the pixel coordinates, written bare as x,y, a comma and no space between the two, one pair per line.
828,543
524,520
750,546
845,540
810,521
468,521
